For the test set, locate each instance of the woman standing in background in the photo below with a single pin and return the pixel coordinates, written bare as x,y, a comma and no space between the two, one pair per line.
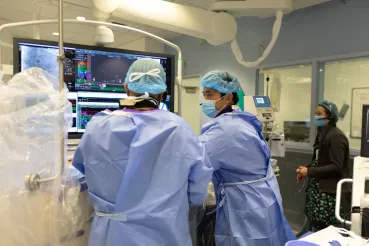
329,165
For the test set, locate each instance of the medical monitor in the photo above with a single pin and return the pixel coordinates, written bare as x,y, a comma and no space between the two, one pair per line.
365,133
94,75
262,102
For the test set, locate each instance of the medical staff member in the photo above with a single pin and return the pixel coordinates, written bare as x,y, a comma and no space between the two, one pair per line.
249,204
329,165
144,167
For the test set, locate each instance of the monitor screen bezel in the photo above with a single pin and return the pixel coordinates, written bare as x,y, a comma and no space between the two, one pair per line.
267,103
363,132
73,135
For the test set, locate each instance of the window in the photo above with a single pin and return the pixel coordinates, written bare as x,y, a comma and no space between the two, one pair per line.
294,100
347,83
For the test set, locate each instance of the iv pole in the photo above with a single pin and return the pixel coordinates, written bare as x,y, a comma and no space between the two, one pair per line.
33,181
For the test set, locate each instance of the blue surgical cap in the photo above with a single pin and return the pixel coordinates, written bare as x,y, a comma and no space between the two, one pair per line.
222,82
146,75
332,109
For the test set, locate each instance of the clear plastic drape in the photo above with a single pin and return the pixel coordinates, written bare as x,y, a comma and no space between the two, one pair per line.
33,114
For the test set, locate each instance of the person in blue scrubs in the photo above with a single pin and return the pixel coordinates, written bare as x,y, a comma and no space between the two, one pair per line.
249,204
144,167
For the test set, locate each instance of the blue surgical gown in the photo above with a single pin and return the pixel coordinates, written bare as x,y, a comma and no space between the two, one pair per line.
147,165
247,214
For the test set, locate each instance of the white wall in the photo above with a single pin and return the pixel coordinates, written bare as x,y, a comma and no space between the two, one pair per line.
154,46
138,45
6,56
144,44
191,110
6,52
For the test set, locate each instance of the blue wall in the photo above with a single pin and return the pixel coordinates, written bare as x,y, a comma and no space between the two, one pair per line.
328,29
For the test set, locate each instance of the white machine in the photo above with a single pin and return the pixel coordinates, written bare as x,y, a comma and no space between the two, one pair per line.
259,106
359,198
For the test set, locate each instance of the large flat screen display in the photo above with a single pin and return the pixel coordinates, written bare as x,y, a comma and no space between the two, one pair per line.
94,75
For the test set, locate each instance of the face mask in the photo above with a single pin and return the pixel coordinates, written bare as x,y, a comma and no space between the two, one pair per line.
208,106
320,121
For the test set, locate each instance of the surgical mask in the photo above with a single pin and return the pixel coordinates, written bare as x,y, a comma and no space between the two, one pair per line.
208,107
320,121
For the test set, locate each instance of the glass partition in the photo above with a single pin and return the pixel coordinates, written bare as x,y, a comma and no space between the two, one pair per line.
346,83
294,95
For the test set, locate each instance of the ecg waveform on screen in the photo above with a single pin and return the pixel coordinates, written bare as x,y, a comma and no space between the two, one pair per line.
90,111
87,114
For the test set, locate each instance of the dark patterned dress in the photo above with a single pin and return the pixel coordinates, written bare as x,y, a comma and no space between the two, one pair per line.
320,206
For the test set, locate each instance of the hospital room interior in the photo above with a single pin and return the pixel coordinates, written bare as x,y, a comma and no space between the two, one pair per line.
70,77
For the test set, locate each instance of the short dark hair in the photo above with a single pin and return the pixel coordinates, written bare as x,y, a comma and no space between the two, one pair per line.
236,98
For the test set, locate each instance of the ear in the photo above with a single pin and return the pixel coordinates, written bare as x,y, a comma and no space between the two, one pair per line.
126,88
229,99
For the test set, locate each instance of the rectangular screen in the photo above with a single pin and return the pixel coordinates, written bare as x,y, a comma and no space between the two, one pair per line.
262,102
94,75
365,133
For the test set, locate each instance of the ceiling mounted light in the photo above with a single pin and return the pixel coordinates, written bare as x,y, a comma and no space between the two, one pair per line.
55,33
81,18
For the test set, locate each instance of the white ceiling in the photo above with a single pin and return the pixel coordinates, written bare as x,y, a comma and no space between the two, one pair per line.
24,10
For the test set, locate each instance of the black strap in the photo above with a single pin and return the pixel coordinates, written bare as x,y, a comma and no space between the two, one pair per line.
228,109
142,104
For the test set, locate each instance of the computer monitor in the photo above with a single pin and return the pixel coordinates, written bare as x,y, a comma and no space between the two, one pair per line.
262,102
94,75
365,133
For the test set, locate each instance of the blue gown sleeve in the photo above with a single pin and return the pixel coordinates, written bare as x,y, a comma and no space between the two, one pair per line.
199,178
78,160
201,170
215,146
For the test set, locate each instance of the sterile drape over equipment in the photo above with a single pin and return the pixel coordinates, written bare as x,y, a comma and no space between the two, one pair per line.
57,212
